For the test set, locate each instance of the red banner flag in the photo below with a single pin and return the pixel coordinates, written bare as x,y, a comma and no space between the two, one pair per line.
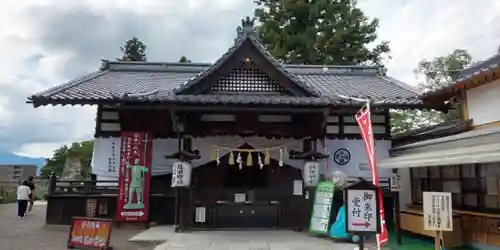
363,118
134,177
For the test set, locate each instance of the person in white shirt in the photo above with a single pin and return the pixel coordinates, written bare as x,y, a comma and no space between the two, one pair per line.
23,197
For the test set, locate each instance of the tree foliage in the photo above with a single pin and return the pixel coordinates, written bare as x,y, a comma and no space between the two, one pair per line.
437,73
184,60
133,50
319,32
82,150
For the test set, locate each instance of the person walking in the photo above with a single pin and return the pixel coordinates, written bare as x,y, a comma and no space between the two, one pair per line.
31,185
23,197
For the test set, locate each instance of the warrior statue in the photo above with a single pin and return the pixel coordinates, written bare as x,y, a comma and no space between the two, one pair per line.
136,185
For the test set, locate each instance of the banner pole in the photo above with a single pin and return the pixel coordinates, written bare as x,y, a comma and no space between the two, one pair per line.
372,159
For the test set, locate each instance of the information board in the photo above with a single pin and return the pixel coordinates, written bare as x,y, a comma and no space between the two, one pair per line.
438,213
361,211
320,216
89,233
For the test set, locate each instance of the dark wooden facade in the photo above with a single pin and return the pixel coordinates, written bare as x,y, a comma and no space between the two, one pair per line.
333,123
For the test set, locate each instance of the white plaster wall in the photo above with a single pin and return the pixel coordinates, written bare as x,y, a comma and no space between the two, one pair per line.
483,103
405,192
358,165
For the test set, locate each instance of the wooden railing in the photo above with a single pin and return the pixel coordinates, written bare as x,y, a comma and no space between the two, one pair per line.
56,186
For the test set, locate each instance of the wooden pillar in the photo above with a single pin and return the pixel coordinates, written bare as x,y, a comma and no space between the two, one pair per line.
185,207
308,195
52,183
397,214
177,193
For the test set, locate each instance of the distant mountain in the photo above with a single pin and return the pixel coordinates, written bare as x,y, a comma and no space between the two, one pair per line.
8,158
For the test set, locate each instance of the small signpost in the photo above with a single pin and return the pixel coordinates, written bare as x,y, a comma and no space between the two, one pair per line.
90,233
362,209
438,214
395,182
320,216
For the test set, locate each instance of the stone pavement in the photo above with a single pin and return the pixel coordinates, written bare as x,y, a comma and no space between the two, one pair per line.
30,232
239,240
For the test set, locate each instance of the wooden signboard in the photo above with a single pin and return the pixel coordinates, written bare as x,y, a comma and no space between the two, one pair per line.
362,209
320,216
438,214
90,233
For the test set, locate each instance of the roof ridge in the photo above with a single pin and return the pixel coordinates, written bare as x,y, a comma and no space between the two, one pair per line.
255,41
139,63
193,81
295,66
244,35
329,66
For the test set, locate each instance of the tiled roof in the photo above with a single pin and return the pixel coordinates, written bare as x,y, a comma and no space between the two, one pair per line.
156,82
171,82
466,74
488,133
435,131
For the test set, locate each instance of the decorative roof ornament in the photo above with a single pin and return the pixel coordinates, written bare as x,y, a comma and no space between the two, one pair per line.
247,27
247,24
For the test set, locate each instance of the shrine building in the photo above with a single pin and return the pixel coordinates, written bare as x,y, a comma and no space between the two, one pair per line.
460,157
245,123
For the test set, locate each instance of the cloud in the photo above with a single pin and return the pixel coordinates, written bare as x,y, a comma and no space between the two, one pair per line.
51,41
424,29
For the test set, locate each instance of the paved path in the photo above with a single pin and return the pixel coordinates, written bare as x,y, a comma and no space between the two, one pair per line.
30,233
239,240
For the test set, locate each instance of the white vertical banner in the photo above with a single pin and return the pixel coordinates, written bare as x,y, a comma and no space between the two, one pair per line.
310,173
181,174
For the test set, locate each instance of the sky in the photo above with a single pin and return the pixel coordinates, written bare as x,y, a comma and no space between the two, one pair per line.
48,42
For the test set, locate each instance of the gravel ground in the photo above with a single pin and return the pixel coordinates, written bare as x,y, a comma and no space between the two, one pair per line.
30,232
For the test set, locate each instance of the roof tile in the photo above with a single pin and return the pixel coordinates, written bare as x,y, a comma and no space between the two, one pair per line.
161,79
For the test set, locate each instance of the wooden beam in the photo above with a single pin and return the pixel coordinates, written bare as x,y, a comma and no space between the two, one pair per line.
487,125
97,128
465,107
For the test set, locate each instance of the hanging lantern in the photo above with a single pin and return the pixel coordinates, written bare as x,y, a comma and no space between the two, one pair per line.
181,174
310,173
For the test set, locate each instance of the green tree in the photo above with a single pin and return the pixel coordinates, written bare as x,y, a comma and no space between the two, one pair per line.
133,50
184,60
82,150
437,73
319,32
